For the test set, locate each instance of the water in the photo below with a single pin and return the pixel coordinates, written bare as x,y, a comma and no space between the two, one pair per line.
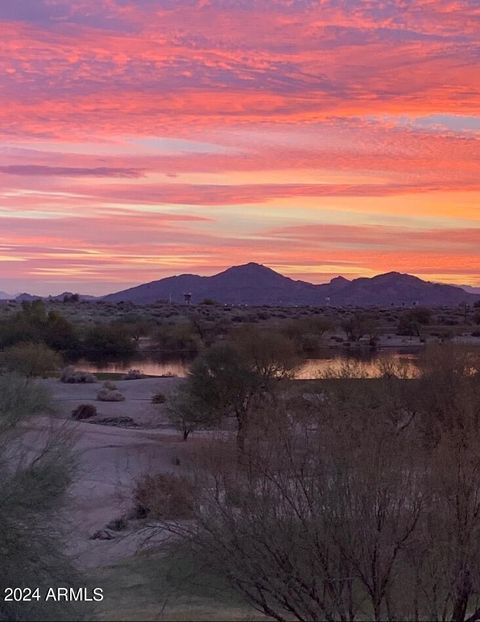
363,364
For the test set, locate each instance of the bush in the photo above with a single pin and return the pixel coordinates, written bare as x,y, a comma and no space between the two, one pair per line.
133,374
159,398
164,496
70,376
31,359
84,411
110,395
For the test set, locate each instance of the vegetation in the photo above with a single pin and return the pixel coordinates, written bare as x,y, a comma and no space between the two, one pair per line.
164,496
33,323
233,379
31,359
33,485
362,503
105,340
347,497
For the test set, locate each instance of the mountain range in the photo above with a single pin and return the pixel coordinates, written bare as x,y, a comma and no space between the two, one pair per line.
255,284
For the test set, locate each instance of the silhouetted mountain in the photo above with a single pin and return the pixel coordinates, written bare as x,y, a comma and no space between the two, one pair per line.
255,284
470,289
26,297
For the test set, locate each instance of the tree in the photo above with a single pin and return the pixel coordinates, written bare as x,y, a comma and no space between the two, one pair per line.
270,355
309,534
369,508
33,484
234,378
358,325
187,413
32,323
412,321
109,340
224,383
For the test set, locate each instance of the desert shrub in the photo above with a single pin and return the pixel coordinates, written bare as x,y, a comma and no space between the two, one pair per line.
84,411
164,496
110,395
133,374
31,359
158,398
70,376
117,524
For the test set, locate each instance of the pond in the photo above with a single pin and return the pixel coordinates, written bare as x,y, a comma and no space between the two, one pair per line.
363,363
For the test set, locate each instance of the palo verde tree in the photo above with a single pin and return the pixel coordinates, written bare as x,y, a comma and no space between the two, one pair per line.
234,379
36,469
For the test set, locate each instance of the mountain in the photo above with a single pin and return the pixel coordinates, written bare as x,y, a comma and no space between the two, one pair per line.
255,284
26,297
470,289
248,284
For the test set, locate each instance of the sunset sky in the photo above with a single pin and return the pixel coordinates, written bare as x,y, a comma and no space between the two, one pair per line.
145,138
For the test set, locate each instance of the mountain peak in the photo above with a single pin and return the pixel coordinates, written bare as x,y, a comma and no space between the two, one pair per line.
395,276
339,280
250,267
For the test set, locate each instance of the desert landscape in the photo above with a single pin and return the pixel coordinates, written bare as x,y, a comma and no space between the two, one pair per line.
239,310
148,450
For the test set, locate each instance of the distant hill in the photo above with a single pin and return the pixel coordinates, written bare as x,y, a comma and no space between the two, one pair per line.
25,297
70,296
470,289
255,284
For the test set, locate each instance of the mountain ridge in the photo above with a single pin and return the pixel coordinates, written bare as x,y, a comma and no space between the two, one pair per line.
256,284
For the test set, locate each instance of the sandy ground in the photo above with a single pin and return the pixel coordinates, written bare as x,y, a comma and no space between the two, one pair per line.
109,461
137,404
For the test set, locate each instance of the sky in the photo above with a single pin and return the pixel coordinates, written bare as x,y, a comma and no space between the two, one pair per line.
145,138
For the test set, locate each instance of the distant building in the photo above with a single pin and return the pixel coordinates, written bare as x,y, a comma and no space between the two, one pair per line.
187,298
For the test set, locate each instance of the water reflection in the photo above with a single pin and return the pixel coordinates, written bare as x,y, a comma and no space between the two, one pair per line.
368,365
362,367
